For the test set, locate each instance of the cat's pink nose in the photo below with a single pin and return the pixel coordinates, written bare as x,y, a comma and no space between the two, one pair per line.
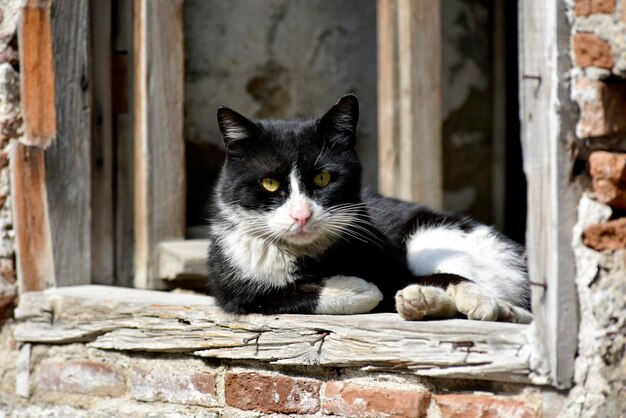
301,216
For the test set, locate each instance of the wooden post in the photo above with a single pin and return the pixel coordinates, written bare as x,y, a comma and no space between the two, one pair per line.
35,264
410,100
102,227
158,132
37,73
68,157
123,133
546,134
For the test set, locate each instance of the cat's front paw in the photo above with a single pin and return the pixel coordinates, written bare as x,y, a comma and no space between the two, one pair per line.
472,302
416,302
344,295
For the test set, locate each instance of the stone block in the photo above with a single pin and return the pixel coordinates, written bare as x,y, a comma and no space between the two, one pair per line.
602,108
94,378
354,400
164,385
589,50
587,7
272,394
608,173
482,406
609,235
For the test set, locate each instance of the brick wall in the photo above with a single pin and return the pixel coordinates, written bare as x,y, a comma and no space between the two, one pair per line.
79,381
598,80
599,88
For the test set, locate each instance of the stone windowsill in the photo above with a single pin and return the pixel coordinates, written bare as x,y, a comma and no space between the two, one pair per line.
111,318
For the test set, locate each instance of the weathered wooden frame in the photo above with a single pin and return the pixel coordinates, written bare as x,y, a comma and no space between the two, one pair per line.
121,319
158,70
547,135
409,128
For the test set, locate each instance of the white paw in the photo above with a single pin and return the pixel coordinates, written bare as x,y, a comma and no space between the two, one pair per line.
511,313
344,295
416,302
473,303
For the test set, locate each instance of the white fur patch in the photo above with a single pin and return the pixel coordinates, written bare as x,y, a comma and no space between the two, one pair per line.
479,256
345,295
234,132
257,260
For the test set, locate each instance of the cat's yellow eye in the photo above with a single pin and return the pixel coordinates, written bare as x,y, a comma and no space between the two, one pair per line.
270,185
322,179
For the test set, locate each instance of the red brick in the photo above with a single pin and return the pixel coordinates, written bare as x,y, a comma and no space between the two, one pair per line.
482,406
270,394
602,108
587,7
4,159
81,376
609,235
608,172
590,50
7,270
7,304
353,400
164,385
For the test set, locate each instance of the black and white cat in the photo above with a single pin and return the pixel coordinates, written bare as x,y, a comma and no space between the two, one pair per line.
293,231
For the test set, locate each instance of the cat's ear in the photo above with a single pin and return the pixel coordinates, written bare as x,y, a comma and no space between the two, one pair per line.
339,123
234,127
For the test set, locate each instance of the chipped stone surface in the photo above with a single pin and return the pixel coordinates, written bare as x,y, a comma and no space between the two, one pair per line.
602,106
600,383
166,385
10,128
483,406
96,378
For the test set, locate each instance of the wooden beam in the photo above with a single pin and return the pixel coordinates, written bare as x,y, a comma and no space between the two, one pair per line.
185,259
158,132
37,73
33,245
547,133
68,157
123,133
139,320
499,101
102,227
410,100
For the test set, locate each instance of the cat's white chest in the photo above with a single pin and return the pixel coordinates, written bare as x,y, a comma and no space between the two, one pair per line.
259,261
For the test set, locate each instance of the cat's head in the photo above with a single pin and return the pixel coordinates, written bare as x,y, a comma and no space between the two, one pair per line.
296,182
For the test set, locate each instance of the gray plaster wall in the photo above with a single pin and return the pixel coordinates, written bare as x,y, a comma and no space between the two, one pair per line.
275,59
290,58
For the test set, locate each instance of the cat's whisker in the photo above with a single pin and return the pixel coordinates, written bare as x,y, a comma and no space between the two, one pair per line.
345,229
362,230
